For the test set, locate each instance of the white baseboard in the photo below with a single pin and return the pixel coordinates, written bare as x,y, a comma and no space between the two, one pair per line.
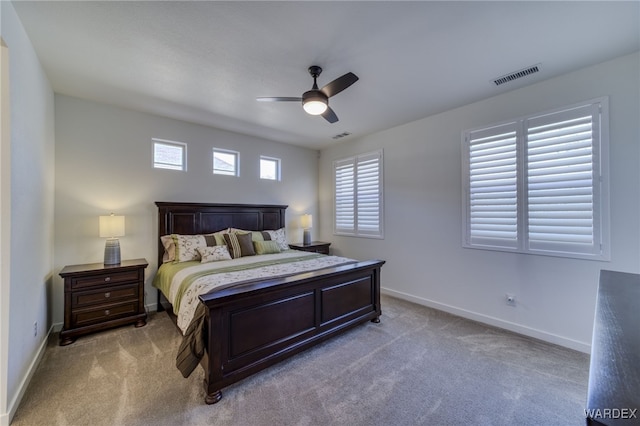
5,419
496,322
152,307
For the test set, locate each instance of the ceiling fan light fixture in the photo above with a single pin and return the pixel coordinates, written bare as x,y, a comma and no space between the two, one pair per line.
314,102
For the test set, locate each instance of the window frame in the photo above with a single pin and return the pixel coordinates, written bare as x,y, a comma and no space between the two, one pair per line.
525,240
220,172
357,230
166,142
278,165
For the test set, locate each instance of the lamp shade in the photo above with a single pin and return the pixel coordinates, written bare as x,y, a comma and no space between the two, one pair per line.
306,221
315,107
111,226
314,102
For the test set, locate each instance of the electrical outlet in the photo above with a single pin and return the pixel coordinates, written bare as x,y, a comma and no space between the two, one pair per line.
35,329
510,299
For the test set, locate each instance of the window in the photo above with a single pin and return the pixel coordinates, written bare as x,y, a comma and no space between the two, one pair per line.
358,196
226,162
539,184
169,155
269,168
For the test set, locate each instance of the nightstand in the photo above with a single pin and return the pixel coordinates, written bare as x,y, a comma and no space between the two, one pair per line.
314,246
98,296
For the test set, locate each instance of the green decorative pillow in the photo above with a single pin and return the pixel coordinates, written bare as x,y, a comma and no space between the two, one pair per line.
256,236
266,247
239,245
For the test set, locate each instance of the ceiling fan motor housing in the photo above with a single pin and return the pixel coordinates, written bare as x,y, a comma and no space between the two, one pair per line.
315,102
314,95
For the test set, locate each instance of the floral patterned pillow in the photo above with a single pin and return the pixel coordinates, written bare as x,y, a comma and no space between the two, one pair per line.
280,237
214,254
187,247
169,249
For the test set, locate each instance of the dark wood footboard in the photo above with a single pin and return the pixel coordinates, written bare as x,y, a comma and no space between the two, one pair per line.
255,326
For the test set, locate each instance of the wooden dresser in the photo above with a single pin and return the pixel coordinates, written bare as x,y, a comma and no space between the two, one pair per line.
98,296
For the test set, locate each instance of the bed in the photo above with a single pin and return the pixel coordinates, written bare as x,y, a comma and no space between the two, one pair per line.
245,328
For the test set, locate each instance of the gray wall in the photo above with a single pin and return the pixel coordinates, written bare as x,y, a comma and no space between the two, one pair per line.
104,163
422,171
28,208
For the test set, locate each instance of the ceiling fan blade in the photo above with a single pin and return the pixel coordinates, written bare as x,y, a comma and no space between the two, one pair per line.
279,99
329,115
339,84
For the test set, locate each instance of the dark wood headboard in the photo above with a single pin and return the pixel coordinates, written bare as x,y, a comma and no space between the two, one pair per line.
203,218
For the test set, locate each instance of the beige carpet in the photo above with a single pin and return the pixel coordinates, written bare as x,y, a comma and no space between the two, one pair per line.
418,366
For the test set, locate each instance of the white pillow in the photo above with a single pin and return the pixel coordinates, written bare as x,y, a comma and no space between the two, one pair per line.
187,247
169,249
280,237
214,254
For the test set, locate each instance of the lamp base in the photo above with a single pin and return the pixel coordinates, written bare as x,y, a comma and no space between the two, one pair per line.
112,252
306,237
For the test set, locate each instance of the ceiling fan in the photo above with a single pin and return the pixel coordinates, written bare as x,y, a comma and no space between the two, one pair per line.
316,101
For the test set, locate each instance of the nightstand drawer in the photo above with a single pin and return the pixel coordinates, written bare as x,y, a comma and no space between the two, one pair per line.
104,279
116,294
104,313
321,250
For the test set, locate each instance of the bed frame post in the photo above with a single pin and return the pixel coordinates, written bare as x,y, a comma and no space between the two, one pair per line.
212,362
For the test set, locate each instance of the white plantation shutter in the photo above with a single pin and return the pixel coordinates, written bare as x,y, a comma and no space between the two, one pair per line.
345,196
563,180
368,194
493,191
538,185
358,195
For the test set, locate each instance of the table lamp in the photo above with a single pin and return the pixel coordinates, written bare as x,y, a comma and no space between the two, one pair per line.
307,222
111,227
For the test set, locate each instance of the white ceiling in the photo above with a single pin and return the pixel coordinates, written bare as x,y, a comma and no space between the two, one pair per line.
206,62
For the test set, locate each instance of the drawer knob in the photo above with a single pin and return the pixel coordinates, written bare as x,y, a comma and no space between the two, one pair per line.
107,312
107,279
107,295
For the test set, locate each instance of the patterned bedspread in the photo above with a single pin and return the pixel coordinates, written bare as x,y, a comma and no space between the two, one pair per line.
182,283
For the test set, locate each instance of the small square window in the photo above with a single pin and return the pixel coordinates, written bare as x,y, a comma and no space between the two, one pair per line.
269,168
226,162
169,155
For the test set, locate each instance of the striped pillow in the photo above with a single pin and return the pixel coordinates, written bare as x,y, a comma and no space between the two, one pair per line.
239,245
266,247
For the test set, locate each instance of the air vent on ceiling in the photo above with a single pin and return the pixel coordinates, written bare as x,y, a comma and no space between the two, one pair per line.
341,135
517,74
